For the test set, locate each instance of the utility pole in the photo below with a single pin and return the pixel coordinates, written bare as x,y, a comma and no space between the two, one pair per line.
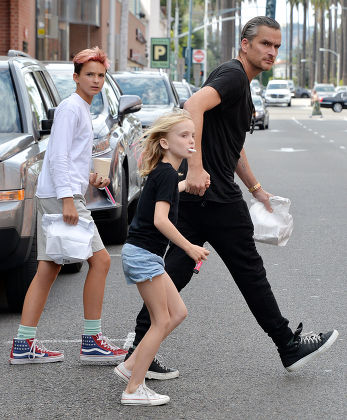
177,16
123,54
205,40
112,35
189,46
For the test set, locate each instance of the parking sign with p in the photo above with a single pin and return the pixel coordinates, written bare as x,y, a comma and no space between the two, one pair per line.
160,53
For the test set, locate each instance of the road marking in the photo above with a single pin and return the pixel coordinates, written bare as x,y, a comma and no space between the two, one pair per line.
322,136
342,147
331,141
121,340
288,150
310,129
315,133
115,255
276,131
314,296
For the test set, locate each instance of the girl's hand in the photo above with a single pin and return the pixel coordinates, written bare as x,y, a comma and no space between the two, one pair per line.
98,181
182,186
197,253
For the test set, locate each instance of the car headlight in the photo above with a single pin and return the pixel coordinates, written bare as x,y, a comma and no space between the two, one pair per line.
259,113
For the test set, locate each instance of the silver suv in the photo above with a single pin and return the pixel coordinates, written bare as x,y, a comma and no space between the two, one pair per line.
28,101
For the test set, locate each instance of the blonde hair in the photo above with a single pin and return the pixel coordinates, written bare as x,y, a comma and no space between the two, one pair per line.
152,152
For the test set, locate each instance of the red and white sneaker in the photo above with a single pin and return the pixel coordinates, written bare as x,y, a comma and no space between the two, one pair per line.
32,351
98,348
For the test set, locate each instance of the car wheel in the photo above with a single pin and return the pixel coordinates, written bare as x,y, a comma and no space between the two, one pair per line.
261,126
71,268
290,103
115,232
18,279
337,107
304,95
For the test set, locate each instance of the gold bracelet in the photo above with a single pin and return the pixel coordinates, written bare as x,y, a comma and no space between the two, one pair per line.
254,188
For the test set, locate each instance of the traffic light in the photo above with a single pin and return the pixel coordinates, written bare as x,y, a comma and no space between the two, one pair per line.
271,8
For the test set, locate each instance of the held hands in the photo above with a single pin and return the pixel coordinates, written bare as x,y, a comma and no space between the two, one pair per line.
263,196
70,215
197,253
197,181
98,181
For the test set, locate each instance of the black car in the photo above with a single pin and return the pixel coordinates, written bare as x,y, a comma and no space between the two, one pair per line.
156,90
337,102
261,113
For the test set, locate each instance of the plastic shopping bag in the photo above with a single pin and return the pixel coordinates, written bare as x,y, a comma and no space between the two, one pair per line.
66,243
272,228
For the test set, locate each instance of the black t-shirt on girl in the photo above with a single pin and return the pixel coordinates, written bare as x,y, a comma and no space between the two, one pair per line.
224,132
161,185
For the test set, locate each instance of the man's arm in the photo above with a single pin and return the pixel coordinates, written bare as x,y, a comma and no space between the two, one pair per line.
205,99
246,175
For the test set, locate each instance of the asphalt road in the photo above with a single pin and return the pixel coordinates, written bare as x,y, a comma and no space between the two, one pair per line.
229,369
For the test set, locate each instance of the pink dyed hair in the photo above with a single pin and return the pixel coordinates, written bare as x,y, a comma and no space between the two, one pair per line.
90,54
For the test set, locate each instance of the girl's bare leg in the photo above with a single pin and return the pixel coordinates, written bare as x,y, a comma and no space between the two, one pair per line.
36,296
94,286
167,310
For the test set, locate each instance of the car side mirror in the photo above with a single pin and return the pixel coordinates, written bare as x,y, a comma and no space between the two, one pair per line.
46,125
127,105
182,102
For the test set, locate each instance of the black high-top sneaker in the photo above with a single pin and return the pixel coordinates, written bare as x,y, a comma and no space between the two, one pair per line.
304,347
157,369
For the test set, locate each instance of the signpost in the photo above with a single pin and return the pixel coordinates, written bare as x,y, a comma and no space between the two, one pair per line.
160,53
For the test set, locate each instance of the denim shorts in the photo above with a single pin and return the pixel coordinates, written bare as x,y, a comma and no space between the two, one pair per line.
140,265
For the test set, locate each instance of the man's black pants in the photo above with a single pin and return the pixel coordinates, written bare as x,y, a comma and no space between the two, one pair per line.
229,230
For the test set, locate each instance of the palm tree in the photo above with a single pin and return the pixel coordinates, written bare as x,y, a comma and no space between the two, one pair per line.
228,30
304,30
343,37
123,55
314,63
291,3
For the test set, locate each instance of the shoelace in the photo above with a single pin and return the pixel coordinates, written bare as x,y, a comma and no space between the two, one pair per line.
107,343
310,337
35,344
129,340
158,360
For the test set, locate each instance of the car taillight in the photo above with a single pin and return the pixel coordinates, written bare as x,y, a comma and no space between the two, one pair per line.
321,100
13,195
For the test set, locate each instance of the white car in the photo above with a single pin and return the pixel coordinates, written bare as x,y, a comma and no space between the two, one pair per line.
278,93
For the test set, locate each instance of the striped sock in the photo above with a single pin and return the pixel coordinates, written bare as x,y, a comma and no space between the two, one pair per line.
25,333
92,326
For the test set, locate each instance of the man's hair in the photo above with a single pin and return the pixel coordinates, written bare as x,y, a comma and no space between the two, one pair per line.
90,54
250,30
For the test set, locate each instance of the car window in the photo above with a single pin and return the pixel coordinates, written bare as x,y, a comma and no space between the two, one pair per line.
152,90
257,101
111,97
66,86
36,102
9,116
44,90
278,86
182,91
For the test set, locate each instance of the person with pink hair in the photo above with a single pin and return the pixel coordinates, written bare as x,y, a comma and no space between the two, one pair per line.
62,185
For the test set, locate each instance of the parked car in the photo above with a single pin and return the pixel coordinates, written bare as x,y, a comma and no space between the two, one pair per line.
278,93
261,114
193,88
301,92
323,89
337,103
256,87
183,90
342,88
28,101
157,92
116,136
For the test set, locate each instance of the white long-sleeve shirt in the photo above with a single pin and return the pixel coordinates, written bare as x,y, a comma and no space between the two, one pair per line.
67,161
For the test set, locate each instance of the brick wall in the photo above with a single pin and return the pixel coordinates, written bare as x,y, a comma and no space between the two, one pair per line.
17,25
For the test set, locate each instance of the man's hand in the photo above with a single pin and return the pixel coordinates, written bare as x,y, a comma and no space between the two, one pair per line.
70,215
197,181
98,181
197,253
263,196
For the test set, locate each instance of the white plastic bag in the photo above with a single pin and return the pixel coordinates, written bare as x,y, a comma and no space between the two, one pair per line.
66,243
272,228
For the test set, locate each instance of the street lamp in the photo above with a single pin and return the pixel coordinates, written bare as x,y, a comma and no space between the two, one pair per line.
306,60
338,63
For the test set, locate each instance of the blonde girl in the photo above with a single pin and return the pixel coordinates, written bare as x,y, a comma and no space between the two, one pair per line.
167,143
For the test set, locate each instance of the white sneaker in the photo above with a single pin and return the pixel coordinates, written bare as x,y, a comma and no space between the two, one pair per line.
144,396
122,372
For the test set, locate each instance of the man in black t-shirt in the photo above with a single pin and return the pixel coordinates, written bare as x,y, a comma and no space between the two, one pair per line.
222,111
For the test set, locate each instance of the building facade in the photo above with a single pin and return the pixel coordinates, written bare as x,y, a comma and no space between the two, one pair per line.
57,29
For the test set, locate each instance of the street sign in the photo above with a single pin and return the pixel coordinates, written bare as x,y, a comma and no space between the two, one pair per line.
160,53
199,56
